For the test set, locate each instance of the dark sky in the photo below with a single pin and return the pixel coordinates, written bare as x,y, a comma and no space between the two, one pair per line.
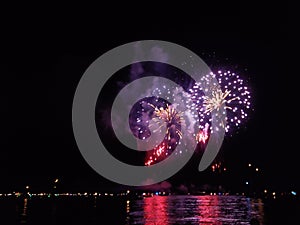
44,58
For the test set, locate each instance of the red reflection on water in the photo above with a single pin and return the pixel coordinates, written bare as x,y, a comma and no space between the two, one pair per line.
209,209
155,210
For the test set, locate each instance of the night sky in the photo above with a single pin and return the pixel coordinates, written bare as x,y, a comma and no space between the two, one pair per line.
42,63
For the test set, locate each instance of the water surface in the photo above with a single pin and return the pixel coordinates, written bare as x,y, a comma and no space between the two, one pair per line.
156,210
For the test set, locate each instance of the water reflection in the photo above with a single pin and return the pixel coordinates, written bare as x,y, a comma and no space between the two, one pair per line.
158,210
23,218
209,208
219,210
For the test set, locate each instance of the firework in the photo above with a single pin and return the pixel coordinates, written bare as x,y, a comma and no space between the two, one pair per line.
156,112
227,101
173,120
202,135
157,154
223,97
169,107
171,117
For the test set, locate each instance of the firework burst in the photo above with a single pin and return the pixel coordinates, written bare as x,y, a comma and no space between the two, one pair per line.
227,101
149,116
173,120
171,117
222,97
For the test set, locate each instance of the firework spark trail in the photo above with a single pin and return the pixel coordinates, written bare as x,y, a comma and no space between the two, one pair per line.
157,154
216,101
